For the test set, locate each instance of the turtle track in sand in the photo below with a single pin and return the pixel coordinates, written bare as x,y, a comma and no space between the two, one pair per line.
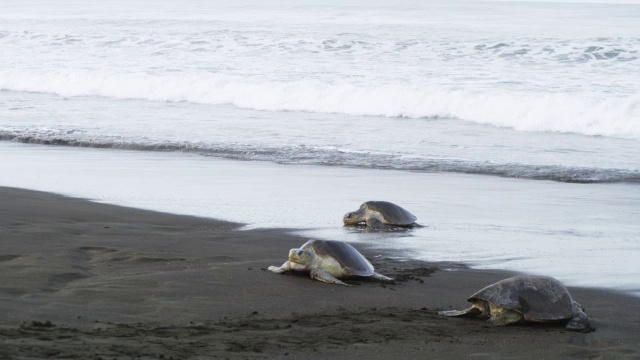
251,336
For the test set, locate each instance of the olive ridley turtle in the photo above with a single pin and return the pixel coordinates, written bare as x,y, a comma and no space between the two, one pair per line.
328,261
526,298
377,214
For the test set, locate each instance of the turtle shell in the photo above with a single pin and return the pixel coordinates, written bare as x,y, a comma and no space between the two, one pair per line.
391,213
346,255
539,297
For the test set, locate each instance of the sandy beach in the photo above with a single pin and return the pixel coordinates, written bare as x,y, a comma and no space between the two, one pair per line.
86,280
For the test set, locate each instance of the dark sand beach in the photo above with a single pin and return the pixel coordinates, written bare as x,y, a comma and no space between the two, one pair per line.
83,280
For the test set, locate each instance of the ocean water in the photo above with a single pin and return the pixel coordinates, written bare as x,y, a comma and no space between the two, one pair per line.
530,107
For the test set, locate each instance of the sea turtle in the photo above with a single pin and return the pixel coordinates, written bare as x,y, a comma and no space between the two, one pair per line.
377,214
328,260
526,298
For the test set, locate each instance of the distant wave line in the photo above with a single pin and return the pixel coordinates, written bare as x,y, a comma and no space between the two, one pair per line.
333,157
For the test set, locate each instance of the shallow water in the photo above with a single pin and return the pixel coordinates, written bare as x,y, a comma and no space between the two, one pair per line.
583,234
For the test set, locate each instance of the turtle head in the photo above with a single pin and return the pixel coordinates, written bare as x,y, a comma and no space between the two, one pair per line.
579,320
301,256
354,217
351,218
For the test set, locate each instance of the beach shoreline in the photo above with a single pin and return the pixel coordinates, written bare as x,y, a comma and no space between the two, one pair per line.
89,280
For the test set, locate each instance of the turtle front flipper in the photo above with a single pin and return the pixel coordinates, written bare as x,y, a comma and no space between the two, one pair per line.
382,278
579,320
373,223
324,276
279,270
471,311
504,317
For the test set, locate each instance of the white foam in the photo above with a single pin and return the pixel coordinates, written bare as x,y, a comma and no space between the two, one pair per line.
582,113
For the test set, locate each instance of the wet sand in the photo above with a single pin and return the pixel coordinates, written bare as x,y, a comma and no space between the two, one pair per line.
87,281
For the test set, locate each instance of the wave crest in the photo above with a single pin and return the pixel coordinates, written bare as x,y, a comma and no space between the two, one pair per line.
581,113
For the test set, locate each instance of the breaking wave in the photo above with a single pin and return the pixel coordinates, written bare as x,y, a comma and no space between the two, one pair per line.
581,113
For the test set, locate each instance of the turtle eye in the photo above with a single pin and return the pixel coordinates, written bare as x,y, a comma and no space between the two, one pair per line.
299,252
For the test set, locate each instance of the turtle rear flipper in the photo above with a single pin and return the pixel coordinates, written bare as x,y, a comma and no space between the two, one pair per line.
382,278
471,311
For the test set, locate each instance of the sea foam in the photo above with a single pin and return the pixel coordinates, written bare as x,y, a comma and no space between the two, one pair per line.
573,112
